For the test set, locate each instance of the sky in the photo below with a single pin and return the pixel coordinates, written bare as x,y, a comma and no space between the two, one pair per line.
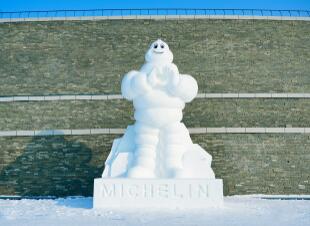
21,5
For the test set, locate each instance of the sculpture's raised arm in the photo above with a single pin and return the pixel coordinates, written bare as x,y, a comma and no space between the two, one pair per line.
180,85
186,89
134,84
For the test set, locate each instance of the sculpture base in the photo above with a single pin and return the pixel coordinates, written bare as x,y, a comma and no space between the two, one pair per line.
157,193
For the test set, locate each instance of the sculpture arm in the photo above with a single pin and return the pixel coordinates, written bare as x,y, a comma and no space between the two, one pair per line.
134,84
186,88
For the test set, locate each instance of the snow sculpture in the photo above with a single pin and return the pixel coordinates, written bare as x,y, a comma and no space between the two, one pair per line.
158,145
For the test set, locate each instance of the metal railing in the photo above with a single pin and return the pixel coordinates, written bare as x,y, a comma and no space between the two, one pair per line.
153,12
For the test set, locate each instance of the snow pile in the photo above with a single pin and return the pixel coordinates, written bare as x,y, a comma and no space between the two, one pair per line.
237,210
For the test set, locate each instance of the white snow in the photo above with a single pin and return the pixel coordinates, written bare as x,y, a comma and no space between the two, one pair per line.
237,210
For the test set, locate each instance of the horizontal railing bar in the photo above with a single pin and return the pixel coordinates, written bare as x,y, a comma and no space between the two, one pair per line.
165,9
156,11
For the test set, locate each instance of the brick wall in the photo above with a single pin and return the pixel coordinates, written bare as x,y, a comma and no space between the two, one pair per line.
89,57
92,56
66,165
83,114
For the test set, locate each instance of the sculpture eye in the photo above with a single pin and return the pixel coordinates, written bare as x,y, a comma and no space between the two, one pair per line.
155,46
162,46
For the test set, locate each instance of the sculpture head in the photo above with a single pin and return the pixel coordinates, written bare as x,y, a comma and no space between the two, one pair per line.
159,53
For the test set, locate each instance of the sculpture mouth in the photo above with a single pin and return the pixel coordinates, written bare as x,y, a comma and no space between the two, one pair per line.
157,52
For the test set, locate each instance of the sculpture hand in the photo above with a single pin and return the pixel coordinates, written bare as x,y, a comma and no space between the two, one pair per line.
153,77
172,75
140,84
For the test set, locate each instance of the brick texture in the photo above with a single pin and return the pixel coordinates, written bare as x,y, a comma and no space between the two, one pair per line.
90,57
74,57
66,165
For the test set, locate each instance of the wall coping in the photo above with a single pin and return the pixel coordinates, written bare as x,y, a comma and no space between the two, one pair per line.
120,131
119,96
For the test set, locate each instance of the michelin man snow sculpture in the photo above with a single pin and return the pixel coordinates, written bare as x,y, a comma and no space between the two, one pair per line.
158,145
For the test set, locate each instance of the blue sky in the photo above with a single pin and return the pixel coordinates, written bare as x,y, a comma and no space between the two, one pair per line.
18,5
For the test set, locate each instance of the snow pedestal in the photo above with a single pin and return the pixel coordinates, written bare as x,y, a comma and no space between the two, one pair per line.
197,189
157,193
116,189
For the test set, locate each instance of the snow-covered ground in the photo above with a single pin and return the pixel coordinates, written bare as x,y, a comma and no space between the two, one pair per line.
237,210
